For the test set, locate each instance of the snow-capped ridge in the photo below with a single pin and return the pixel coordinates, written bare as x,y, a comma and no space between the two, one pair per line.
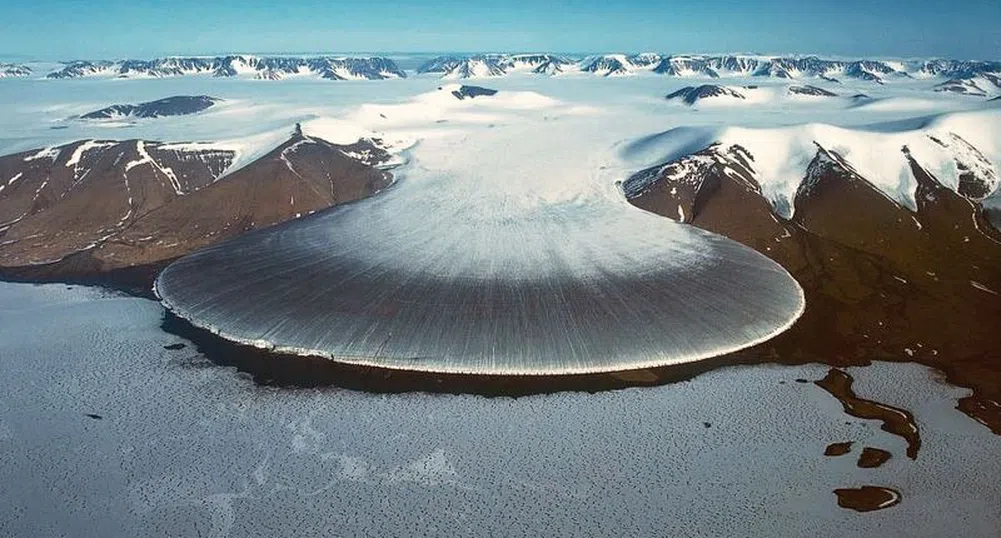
691,95
264,68
9,70
962,151
494,65
708,66
485,65
724,95
176,105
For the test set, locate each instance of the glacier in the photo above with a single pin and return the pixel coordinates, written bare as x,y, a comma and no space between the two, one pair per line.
510,257
534,168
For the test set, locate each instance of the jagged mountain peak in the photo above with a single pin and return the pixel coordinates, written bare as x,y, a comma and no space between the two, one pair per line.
607,65
269,68
493,64
8,70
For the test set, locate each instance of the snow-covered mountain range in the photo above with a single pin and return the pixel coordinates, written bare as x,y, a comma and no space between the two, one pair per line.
958,150
14,70
959,76
493,65
268,68
712,66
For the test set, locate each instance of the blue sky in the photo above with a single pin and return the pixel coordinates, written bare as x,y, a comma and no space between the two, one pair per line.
65,29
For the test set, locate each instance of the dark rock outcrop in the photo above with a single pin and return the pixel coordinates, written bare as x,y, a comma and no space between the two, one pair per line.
882,282
811,90
177,105
693,94
472,92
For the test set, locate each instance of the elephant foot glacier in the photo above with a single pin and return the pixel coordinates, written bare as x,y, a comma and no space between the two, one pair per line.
500,251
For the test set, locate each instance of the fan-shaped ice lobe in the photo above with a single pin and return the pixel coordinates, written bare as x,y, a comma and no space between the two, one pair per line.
514,262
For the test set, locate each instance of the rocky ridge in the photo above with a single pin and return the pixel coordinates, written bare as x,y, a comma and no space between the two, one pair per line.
178,105
265,68
95,206
883,281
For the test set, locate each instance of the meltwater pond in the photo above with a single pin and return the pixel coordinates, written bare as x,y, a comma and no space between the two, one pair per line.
500,251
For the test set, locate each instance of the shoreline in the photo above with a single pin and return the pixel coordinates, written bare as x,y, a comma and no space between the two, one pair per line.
136,281
303,371
270,368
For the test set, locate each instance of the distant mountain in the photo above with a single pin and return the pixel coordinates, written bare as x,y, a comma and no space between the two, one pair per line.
14,70
177,105
811,91
644,59
266,68
459,66
540,64
714,66
471,92
607,65
688,67
981,85
691,95
956,69
441,64
494,65
962,86
733,65
82,68
488,65
720,94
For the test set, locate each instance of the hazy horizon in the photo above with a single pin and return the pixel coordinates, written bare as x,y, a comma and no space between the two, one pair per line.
853,28
422,55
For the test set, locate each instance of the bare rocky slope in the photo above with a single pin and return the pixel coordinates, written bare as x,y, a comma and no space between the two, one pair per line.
882,282
98,207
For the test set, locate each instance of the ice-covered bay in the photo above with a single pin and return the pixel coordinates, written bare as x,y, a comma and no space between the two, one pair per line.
185,448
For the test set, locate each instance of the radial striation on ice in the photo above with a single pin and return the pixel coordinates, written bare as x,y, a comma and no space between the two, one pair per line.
409,280
504,248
